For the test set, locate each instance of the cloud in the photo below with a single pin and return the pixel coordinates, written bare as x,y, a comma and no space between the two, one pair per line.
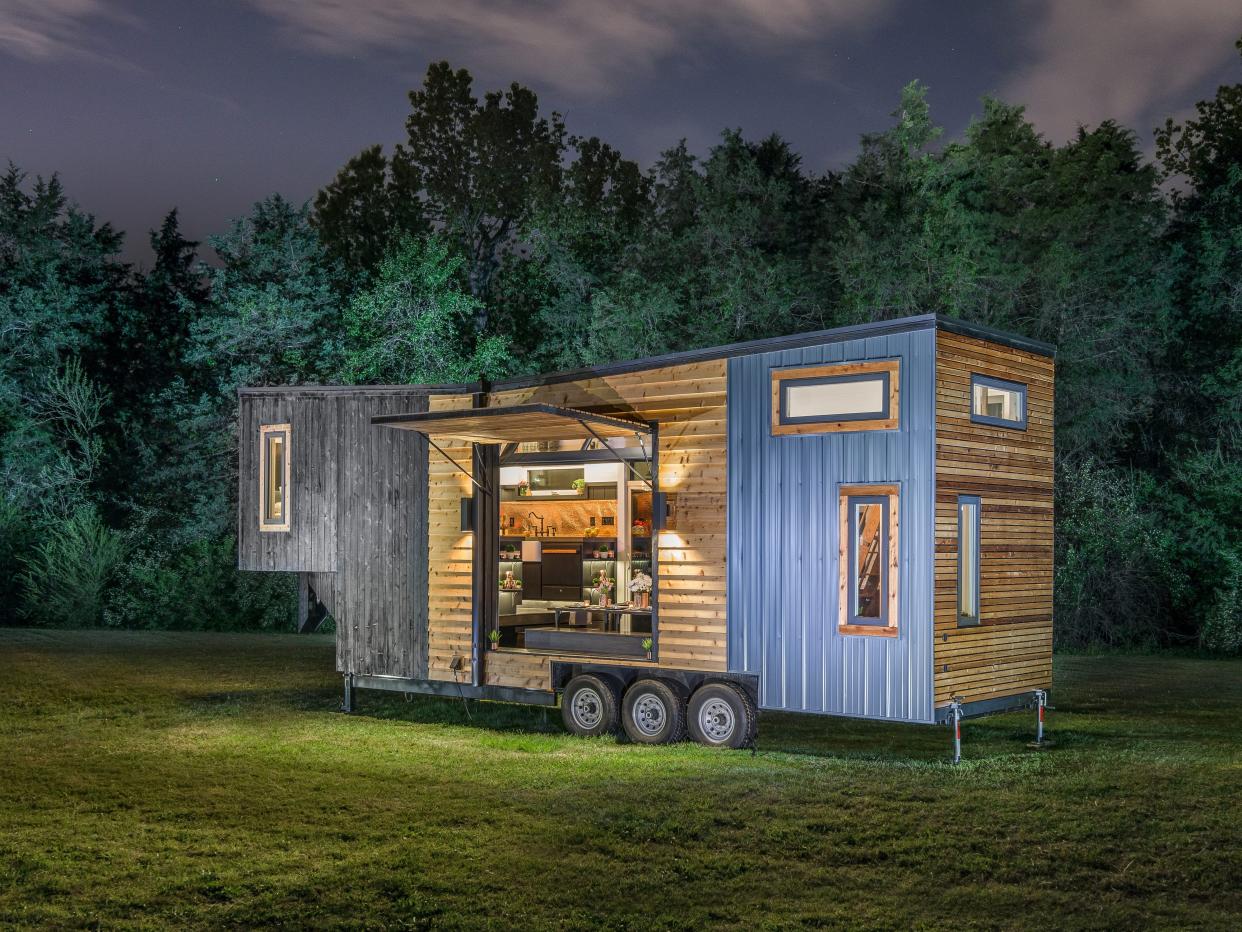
1120,59
47,30
581,47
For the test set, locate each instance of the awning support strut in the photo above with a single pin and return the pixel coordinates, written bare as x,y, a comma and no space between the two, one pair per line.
465,472
621,459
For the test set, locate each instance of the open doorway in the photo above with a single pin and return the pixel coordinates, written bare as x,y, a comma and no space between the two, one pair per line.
575,554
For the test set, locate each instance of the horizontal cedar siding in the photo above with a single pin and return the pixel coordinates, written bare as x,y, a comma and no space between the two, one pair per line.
1011,471
688,401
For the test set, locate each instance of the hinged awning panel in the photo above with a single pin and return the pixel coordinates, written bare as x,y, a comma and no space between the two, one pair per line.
514,424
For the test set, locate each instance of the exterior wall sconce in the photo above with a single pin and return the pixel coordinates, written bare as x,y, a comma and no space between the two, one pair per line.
467,514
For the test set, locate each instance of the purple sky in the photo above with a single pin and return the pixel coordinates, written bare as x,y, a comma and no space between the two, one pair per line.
211,105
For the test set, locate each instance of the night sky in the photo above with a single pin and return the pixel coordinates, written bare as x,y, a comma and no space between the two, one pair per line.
209,105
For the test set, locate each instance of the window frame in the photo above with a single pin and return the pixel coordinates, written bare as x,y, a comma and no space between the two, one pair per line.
266,522
975,620
889,496
991,381
888,371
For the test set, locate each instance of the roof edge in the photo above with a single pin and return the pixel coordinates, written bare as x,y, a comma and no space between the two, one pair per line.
348,389
995,335
705,354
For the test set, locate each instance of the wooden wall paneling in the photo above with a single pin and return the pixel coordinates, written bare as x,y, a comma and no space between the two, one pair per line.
689,404
1011,471
449,559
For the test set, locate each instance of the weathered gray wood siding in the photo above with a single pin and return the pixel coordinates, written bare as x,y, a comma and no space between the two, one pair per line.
309,546
358,517
381,588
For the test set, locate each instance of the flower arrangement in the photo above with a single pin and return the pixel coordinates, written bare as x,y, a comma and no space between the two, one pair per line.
604,585
641,582
640,586
523,487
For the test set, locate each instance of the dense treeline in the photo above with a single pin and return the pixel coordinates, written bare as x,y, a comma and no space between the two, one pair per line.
492,242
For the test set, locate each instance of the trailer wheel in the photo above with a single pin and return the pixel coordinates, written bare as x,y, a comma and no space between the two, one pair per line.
653,713
590,705
722,716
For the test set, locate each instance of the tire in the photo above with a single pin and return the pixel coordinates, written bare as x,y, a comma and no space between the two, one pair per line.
590,706
653,713
722,716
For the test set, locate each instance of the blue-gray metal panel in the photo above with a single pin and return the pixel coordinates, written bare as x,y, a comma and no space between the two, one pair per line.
783,547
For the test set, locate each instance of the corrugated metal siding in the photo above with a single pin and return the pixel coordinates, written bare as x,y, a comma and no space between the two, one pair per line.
782,541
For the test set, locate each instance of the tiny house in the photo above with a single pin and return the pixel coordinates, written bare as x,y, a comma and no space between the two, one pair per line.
850,522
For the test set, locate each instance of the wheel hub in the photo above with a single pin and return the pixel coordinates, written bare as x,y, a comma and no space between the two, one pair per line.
649,714
717,720
587,709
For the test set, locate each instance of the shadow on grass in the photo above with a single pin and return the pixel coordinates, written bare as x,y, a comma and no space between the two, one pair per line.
823,737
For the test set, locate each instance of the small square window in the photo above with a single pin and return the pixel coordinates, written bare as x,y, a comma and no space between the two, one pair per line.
274,477
997,402
841,397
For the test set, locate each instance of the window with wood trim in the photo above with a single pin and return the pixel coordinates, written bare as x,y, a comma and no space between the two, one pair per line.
968,523
838,397
868,559
997,402
274,477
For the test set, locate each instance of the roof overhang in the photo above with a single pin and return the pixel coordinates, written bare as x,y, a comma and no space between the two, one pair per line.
514,424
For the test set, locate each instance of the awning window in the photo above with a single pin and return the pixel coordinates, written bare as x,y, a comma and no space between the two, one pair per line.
514,424
517,424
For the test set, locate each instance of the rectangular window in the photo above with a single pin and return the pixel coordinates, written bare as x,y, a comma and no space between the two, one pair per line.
868,559
997,402
968,509
274,477
840,397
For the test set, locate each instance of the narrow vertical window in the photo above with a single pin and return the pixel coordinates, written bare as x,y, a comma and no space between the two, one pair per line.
968,507
274,477
868,555
867,542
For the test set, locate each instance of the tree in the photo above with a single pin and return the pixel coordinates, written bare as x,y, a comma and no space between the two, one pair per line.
365,207
273,318
413,325
60,282
474,170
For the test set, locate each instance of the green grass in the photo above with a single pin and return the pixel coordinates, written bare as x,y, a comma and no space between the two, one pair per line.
191,780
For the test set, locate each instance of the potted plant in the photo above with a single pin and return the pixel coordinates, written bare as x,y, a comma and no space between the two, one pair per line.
647,645
494,637
579,485
523,487
640,586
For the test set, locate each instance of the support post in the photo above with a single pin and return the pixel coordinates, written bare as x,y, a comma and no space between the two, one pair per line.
1041,704
347,701
955,707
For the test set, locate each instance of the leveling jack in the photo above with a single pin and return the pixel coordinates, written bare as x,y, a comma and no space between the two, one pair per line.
955,720
1041,708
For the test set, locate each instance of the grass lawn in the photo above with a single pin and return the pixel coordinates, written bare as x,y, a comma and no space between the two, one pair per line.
160,779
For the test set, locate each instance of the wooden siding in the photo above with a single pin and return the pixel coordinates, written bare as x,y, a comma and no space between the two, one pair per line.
381,586
448,554
688,402
1011,471
358,518
309,546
